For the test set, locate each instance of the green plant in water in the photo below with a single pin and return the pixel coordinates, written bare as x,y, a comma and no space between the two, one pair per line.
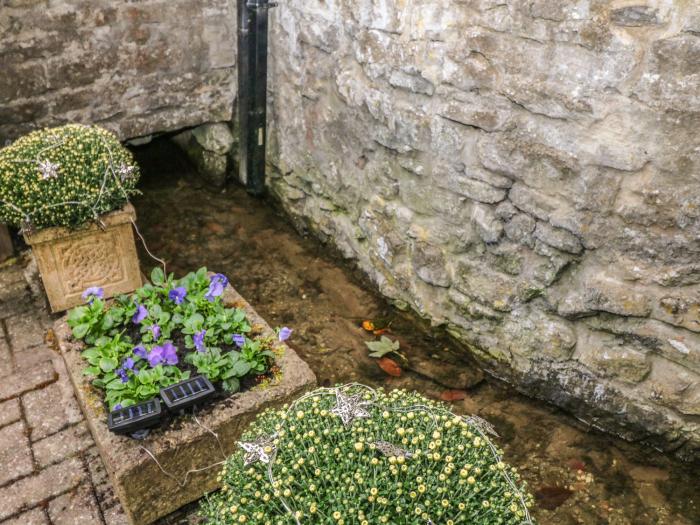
383,347
65,176
353,455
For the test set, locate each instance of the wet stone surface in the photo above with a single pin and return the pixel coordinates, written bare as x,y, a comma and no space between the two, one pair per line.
579,475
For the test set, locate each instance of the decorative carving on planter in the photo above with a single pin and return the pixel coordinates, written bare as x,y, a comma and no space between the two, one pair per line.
72,260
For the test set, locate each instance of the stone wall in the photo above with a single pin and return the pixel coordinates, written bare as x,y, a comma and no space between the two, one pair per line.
522,172
135,67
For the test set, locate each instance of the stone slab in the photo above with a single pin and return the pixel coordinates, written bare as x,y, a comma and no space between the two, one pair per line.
72,260
146,493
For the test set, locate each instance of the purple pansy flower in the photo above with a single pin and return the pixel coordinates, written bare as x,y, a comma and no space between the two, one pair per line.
170,353
155,356
155,331
92,292
198,339
128,364
284,334
177,295
140,315
217,283
140,351
238,339
123,375
163,354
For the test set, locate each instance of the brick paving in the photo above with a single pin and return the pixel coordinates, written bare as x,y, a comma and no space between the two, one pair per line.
50,470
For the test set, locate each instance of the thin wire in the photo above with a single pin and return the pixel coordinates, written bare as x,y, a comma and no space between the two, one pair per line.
161,261
187,474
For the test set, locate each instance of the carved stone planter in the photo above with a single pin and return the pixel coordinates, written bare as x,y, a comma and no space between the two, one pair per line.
187,445
72,260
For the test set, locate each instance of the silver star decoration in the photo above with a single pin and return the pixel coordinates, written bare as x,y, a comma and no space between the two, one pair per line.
349,408
48,169
389,449
255,450
125,172
482,424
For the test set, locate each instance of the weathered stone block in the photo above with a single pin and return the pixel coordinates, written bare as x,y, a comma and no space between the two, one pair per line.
70,261
144,491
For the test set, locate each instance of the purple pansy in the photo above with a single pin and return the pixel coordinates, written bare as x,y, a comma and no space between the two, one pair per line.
92,292
123,375
284,334
163,354
177,295
155,331
238,339
128,364
140,351
217,283
140,315
198,339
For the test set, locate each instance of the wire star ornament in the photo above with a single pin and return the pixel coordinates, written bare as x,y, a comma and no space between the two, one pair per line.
350,408
125,172
482,424
48,169
255,450
389,450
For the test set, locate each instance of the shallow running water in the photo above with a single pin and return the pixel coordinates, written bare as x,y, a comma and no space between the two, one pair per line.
579,476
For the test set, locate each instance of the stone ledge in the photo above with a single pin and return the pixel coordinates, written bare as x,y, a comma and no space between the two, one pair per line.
145,492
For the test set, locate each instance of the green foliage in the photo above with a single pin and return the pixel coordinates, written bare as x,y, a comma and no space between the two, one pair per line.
330,474
122,348
64,176
382,347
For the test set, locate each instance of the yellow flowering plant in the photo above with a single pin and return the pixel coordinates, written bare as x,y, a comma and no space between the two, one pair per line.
355,455
64,176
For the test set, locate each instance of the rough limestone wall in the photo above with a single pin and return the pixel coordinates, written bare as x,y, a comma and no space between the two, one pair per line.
134,67
523,172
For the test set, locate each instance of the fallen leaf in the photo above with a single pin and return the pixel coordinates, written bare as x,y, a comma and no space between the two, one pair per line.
368,325
577,464
453,395
214,227
389,366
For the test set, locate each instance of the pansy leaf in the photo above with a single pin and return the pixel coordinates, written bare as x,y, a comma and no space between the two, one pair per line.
157,276
107,364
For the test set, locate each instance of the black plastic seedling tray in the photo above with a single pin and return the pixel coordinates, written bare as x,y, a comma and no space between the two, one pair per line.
136,417
187,393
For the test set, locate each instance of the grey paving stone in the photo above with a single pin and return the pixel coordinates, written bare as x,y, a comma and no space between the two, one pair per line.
23,381
9,412
15,454
45,411
32,517
30,491
77,507
25,331
63,444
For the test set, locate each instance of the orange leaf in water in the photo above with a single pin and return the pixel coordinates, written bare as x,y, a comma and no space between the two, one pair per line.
368,325
389,366
453,395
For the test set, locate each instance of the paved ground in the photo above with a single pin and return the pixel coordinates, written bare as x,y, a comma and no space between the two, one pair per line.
50,470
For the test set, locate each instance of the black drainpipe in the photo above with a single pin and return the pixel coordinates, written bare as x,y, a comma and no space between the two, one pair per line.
252,91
